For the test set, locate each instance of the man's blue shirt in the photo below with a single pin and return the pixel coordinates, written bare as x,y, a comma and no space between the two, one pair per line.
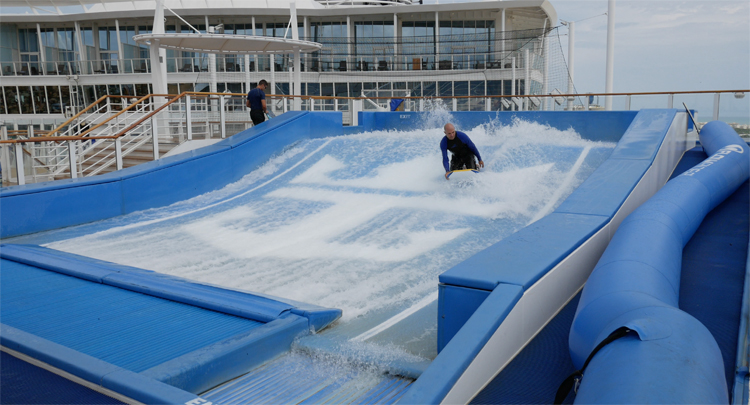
254,97
463,138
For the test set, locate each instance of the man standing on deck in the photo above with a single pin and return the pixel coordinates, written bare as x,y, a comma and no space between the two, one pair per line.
256,102
462,148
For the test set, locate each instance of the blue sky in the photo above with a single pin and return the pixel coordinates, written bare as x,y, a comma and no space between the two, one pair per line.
663,45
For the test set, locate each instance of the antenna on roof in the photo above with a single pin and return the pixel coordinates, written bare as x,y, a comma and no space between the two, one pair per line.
695,124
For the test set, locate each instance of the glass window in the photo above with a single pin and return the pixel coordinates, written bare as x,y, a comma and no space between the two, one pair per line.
282,88
186,87
445,89
341,90
89,95
24,99
141,90
369,86
384,86
429,89
477,88
326,89
313,89
55,104
355,89
11,99
459,88
415,88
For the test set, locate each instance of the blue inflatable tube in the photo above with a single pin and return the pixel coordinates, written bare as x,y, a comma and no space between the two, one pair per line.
671,357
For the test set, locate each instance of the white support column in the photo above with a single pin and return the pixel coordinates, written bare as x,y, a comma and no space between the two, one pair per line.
120,52
19,165
255,57
670,101
222,117
72,159
513,82
526,79
42,53
189,117
349,49
608,88
297,82
571,61
158,56
118,153
717,96
82,54
586,102
627,102
502,31
545,59
212,80
437,40
356,108
395,40
4,155
155,136
306,31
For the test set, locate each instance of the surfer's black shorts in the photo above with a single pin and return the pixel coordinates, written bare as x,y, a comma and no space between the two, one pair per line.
257,116
463,162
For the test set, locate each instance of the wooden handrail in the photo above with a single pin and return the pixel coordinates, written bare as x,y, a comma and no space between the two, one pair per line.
102,98
151,114
174,98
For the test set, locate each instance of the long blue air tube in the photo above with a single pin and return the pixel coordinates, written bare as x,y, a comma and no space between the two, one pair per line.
671,357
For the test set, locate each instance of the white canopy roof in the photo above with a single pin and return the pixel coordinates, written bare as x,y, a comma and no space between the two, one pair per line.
226,43
122,5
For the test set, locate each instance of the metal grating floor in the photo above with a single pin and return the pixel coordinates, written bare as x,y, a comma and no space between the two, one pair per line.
300,379
128,329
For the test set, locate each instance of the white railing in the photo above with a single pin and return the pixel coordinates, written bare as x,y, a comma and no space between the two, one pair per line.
101,137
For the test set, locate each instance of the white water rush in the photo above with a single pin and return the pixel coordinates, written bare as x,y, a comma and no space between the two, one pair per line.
364,223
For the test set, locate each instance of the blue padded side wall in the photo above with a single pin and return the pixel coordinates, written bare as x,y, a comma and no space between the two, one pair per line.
243,304
93,370
44,206
636,284
605,126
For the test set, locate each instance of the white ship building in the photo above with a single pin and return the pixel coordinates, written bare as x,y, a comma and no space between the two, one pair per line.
57,57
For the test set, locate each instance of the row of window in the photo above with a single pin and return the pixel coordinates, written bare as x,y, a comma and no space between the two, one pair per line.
54,99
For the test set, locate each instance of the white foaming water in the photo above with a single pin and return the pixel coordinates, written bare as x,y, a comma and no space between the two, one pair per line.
364,223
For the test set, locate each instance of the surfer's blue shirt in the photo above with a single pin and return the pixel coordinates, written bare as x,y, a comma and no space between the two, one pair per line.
457,146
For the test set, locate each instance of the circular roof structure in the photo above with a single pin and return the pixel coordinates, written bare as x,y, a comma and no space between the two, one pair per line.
226,43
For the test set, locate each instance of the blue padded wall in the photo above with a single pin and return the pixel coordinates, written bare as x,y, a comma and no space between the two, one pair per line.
44,206
636,284
607,126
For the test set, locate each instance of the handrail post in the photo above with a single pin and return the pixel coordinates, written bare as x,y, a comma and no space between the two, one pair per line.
19,165
118,153
586,103
72,159
716,106
670,101
627,102
4,156
189,117
155,137
222,117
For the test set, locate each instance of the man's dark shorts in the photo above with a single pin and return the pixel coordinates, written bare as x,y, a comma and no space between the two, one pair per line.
257,116
463,162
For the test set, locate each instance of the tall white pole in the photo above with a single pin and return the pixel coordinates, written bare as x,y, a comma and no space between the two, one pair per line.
608,88
571,61
297,91
158,58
